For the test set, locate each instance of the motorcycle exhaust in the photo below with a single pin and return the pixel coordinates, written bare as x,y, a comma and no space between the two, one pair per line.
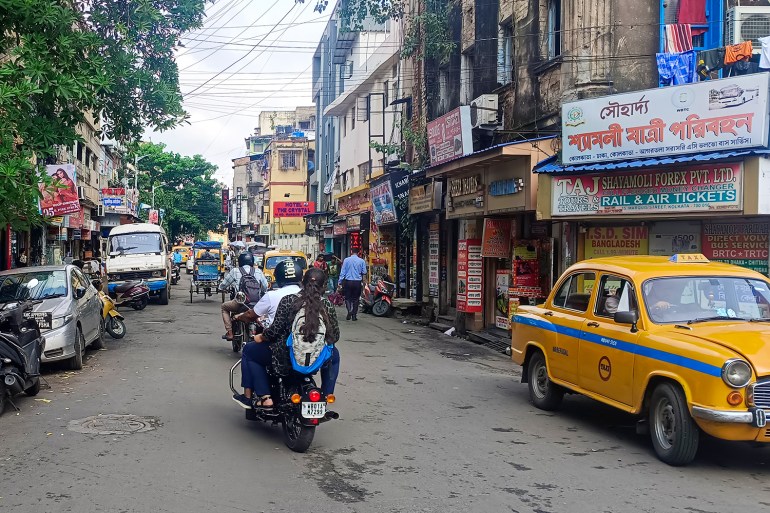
330,415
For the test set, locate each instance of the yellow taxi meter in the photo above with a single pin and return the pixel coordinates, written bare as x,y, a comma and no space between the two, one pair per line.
689,258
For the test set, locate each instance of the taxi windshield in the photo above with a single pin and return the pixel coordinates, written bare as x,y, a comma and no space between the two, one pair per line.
273,261
689,300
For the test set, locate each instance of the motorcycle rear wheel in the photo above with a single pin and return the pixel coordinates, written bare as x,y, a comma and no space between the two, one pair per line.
116,327
296,436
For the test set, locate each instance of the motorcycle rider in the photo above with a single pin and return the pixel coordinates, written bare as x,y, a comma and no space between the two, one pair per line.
233,279
270,345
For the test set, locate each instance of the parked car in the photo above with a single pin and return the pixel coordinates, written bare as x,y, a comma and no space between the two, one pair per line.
69,311
683,343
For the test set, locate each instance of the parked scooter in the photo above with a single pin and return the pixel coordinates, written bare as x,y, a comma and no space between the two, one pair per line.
21,345
112,319
377,297
175,274
135,294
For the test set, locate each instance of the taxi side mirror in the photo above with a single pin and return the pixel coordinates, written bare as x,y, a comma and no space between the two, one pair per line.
628,318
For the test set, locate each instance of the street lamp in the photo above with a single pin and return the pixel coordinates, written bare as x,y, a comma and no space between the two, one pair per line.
153,193
136,170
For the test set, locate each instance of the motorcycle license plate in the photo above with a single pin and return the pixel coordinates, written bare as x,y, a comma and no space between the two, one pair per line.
313,410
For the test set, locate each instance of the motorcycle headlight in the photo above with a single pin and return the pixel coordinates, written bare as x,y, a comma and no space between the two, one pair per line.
736,373
58,322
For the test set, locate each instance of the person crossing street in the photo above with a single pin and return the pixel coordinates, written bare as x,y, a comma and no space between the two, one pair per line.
352,272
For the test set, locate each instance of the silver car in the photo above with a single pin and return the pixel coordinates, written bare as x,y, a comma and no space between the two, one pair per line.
69,312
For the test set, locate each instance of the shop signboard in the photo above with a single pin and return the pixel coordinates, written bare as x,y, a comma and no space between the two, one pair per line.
421,198
706,116
226,201
283,209
496,238
616,241
62,196
352,203
465,195
526,269
355,240
353,223
502,285
470,281
264,230
340,228
704,188
328,232
450,136
382,202
433,259
399,184
744,244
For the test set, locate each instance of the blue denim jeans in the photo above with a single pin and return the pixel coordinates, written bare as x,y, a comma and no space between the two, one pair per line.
329,373
255,358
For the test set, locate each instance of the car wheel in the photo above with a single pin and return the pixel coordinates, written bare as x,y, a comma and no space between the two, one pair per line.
163,296
674,433
76,362
543,393
99,342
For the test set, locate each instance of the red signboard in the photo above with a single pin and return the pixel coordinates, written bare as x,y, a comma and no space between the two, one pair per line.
114,191
225,201
450,136
744,244
355,240
470,280
340,228
293,208
497,238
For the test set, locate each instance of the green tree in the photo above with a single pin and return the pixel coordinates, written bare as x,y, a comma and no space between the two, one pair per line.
61,59
184,188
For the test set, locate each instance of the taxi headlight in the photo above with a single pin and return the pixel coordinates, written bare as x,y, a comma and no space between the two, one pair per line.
736,373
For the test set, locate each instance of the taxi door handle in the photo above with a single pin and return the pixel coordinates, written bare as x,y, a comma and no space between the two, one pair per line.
593,324
549,314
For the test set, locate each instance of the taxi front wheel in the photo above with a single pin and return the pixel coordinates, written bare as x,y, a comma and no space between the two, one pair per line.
674,433
543,393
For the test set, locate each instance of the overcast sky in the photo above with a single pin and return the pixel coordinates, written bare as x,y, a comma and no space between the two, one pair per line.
249,56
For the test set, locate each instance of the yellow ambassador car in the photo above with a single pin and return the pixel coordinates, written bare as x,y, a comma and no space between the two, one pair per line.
682,342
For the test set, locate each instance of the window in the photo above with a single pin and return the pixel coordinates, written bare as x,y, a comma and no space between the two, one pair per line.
288,159
304,125
466,79
553,28
363,173
344,126
615,295
505,54
353,118
575,292
385,89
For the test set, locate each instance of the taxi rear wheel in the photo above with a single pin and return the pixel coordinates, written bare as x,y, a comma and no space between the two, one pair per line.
543,393
674,433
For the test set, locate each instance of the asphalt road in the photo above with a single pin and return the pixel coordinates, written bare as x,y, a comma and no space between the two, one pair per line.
428,423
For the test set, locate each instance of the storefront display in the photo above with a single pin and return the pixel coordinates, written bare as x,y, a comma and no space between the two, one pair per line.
496,238
744,244
616,241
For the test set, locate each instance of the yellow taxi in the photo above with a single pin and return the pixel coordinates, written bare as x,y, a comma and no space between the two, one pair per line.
273,257
682,342
186,251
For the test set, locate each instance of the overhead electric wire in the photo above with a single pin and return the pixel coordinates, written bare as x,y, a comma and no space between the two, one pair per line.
216,16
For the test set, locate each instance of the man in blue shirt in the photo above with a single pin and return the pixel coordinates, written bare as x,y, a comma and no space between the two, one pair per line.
178,257
352,272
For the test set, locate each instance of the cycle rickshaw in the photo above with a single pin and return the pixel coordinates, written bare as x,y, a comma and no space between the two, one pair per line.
208,267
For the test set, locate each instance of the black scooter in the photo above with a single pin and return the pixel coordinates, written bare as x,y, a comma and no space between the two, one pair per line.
175,274
21,345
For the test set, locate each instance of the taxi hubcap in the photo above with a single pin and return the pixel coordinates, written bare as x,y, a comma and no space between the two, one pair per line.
541,380
665,424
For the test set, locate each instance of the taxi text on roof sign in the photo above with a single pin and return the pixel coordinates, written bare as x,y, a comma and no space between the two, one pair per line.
692,258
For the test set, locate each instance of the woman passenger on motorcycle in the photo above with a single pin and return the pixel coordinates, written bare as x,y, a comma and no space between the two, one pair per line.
271,345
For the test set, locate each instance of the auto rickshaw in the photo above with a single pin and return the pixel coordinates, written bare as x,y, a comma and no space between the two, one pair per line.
208,268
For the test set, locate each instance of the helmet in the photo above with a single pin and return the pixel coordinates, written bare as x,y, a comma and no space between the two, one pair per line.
287,272
245,258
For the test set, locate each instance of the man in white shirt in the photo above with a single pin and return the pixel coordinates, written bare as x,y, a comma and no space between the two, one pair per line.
287,279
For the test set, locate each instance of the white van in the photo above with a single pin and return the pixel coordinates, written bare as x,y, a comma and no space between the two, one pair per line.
139,252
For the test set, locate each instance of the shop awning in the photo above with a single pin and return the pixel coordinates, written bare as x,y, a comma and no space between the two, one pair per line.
488,156
551,164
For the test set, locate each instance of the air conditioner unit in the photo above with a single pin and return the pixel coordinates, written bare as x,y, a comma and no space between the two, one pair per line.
748,23
81,192
100,211
484,111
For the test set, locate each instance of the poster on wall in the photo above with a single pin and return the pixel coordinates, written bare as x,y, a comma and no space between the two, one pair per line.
671,238
744,244
62,197
616,241
502,285
470,288
496,238
433,259
526,269
382,203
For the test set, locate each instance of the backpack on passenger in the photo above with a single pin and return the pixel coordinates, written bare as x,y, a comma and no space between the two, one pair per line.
250,286
307,356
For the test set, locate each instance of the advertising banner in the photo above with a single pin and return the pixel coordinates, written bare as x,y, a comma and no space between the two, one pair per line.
526,269
616,241
675,237
63,199
340,228
433,259
744,244
292,208
705,188
502,284
496,238
470,282
226,201
706,116
450,136
382,202
153,216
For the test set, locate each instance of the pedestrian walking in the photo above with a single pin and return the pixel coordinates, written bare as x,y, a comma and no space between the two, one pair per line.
352,272
334,274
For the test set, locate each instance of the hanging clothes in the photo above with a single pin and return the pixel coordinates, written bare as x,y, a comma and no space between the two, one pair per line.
739,52
693,12
678,38
714,59
676,68
764,54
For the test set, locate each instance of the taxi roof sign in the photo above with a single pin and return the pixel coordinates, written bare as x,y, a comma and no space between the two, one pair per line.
690,258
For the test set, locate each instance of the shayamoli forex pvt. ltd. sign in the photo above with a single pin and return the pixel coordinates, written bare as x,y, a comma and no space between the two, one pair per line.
706,188
705,116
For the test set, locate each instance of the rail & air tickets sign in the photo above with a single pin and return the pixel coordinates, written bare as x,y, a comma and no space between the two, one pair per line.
706,116
706,188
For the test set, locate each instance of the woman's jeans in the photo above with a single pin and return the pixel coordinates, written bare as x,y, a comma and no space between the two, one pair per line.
256,357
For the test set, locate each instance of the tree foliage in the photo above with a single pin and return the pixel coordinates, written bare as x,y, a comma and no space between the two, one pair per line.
184,188
61,59
354,13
